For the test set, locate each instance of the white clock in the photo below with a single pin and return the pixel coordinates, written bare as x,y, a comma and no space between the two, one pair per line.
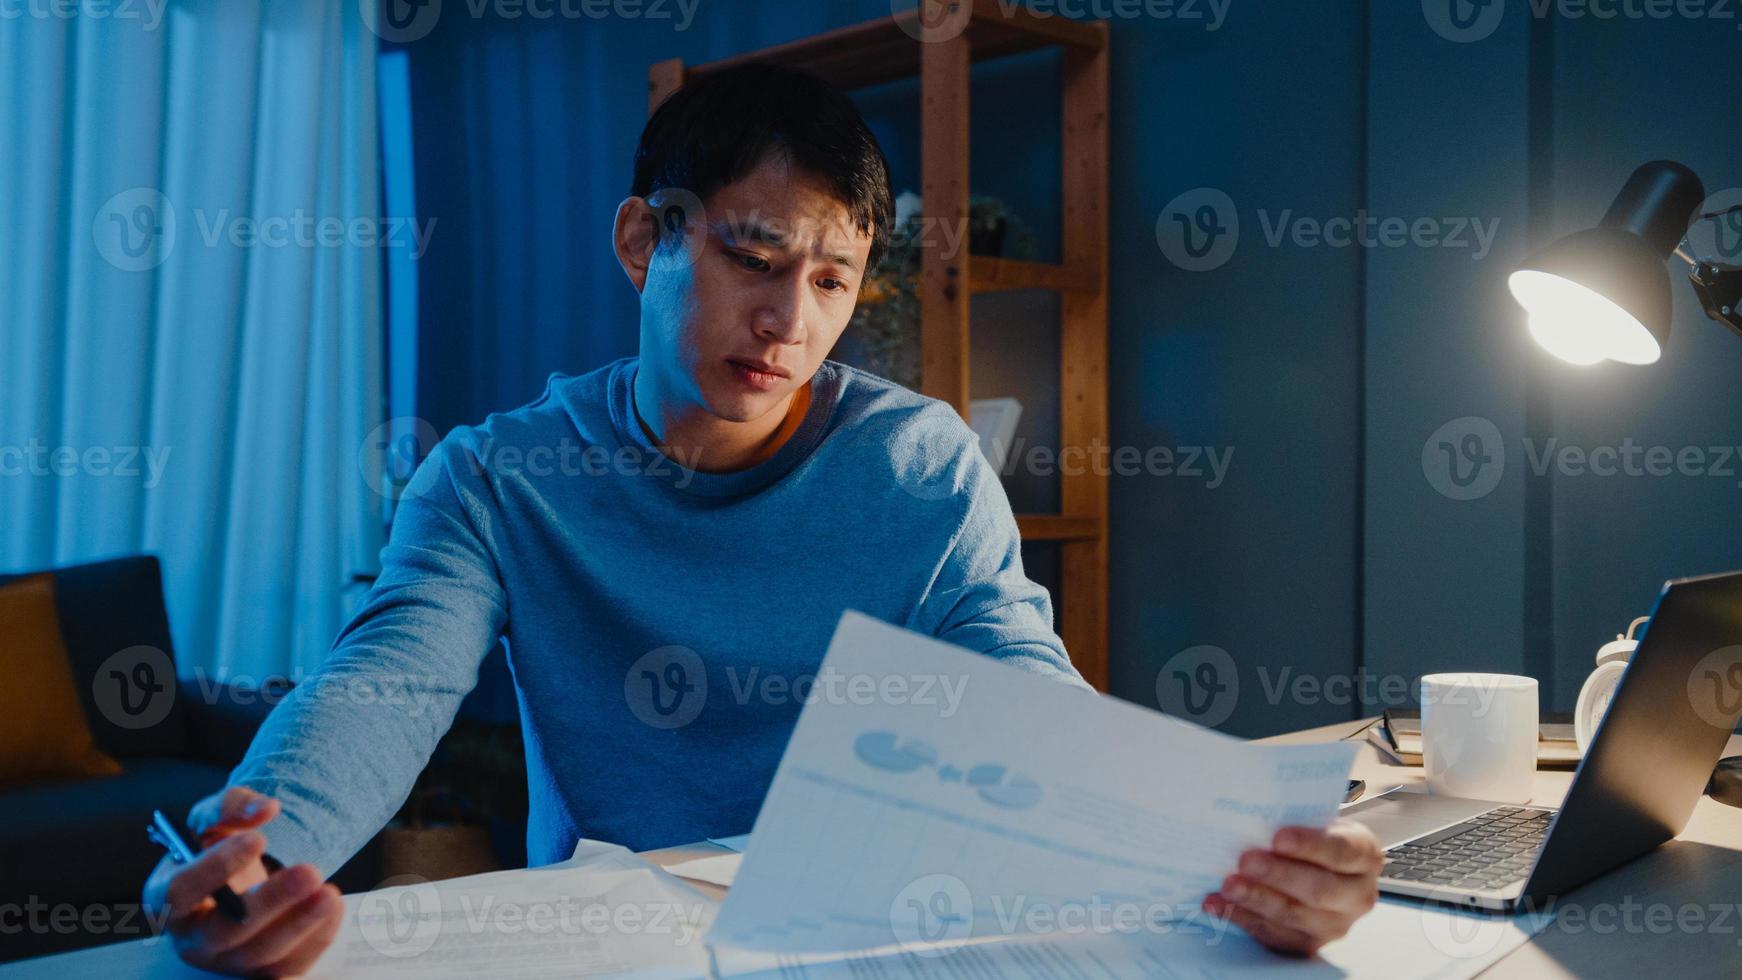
1600,687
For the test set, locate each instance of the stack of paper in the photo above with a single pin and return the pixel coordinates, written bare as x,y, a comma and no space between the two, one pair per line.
605,911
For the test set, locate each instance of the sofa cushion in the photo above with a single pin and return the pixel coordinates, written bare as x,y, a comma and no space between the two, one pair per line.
44,736
117,636
84,842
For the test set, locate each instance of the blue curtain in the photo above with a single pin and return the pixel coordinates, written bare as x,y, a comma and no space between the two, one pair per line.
190,326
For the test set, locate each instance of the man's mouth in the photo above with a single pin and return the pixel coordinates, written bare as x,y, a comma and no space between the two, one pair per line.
757,374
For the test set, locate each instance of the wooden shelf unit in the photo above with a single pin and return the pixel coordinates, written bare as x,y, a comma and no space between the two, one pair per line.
888,49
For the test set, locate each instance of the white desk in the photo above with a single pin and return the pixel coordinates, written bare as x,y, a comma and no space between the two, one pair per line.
1702,868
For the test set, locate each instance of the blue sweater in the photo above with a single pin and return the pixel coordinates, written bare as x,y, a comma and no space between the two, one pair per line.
663,624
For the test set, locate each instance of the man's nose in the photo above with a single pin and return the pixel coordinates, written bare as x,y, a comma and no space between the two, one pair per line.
780,316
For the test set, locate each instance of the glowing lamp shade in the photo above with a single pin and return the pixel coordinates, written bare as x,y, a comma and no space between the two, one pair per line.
1596,295
1603,294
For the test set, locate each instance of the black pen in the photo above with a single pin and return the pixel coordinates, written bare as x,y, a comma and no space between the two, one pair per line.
164,833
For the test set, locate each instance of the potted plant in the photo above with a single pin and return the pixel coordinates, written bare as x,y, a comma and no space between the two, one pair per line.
886,321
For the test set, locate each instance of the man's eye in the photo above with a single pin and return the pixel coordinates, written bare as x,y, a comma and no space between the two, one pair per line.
833,285
753,262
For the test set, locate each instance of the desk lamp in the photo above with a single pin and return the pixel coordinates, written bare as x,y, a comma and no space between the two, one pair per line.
1604,294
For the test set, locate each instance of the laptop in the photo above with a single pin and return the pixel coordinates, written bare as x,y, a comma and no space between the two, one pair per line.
1635,788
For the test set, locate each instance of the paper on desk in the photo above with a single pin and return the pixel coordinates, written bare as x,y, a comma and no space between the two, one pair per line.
930,794
603,911
715,869
1397,941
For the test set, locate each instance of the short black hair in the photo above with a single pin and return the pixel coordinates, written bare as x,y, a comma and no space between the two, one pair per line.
713,131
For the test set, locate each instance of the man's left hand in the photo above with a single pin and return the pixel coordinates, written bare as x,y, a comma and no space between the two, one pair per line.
1306,890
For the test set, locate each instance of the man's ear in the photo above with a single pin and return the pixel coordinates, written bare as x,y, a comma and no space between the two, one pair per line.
634,237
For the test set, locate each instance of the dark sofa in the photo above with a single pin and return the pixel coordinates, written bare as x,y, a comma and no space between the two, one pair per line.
74,855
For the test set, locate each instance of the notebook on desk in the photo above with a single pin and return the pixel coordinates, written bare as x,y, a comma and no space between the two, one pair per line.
1398,735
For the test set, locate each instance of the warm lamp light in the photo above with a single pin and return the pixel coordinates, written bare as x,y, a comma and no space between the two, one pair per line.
1604,293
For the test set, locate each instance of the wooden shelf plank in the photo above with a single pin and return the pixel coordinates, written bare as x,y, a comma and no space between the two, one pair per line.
1058,527
989,275
1083,415
1017,18
943,302
883,50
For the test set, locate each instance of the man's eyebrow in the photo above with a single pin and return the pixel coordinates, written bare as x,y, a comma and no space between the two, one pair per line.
843,259
755,231
752,230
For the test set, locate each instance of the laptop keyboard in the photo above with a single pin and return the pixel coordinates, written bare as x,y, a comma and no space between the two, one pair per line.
1492,850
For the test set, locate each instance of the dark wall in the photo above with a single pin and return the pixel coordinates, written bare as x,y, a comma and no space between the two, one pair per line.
1323,374
1259,357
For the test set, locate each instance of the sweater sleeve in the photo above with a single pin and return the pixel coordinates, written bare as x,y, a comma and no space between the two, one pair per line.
342,751
980,598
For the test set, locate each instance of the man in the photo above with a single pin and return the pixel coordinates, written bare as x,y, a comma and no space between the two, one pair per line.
753,492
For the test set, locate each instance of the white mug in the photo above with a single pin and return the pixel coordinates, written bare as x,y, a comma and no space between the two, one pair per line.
1478,735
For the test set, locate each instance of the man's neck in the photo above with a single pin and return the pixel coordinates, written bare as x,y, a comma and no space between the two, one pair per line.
710,444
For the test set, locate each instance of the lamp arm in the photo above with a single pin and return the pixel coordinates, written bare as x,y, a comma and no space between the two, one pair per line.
1720,292
1717,284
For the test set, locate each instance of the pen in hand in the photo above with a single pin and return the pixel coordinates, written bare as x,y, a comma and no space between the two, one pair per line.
164,833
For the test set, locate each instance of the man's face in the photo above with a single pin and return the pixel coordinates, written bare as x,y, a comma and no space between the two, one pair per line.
738,319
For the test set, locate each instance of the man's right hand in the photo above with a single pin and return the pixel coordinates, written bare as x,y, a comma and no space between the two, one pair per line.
293,914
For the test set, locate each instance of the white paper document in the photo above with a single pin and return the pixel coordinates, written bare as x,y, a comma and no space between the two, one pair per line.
930,795
716,869
603,912
1398,940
